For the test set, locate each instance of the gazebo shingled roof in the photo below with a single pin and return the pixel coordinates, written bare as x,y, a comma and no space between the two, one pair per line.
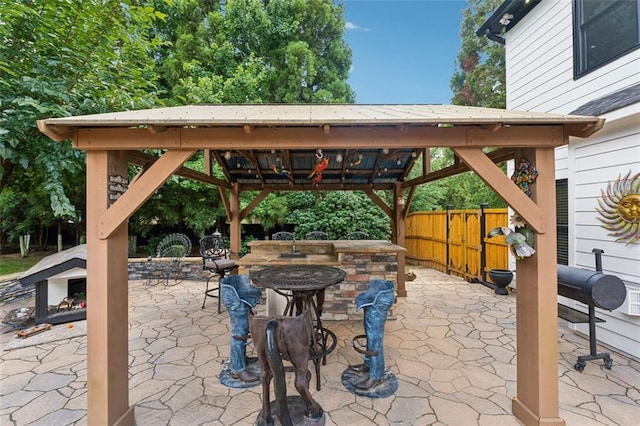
255,136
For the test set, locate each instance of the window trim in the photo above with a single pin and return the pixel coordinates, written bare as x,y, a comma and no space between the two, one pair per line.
578,54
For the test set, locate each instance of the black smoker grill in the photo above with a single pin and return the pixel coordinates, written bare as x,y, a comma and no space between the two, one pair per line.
594,289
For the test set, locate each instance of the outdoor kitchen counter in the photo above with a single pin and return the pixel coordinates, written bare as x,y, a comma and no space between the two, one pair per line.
362,261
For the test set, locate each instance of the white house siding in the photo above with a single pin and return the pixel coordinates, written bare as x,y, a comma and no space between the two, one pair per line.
539,53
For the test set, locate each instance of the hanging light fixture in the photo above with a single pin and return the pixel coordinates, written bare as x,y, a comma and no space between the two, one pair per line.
339,158
399,161
227,155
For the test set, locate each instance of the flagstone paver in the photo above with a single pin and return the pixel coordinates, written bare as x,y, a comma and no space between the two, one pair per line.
450,344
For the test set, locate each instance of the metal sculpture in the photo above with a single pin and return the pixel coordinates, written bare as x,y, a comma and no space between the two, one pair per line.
277,338
620,208
379,382
524,176
517,242
239,297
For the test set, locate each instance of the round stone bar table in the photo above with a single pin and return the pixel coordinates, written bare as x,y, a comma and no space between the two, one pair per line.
301,284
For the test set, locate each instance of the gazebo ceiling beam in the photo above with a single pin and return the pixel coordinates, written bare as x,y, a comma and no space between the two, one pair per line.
310,187
313,138
496,179
142,159
497,156
141,190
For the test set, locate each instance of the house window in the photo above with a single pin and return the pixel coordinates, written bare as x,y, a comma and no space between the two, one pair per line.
562,221
603,30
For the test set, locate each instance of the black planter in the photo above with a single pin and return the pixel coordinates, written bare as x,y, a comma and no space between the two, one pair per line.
501,278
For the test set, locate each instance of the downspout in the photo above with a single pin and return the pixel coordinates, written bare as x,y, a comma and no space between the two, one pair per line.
494,37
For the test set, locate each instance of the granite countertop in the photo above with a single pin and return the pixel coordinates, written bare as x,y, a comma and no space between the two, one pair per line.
319,252
273,259
366,246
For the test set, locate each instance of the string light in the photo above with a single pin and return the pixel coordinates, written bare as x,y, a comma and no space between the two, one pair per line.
227,155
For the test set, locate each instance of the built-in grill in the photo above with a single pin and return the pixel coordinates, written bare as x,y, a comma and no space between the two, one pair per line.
596,290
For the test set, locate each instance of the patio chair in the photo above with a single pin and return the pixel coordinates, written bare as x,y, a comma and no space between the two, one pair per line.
316,235
215,260
167,263
357,235
283,235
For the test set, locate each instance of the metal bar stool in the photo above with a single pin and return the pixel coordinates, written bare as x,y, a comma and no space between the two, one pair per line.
215,261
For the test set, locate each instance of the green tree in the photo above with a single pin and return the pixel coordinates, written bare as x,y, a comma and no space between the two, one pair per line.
66,58
337,213
479,79
463,191
244,51
252,51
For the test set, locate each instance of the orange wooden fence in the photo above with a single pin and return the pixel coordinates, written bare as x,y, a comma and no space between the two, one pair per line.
451,241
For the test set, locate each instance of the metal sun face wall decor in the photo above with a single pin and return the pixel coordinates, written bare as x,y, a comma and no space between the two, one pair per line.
619,208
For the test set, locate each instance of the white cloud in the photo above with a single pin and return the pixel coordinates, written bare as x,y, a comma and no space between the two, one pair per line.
350,26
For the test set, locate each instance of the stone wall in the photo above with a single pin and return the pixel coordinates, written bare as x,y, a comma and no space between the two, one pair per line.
139,269
142,269
12,290
340,300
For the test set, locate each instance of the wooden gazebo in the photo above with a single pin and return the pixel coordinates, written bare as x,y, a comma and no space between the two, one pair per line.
273,147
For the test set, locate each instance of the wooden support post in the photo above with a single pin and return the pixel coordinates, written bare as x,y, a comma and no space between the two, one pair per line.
536,402
234,219
399,206
107,300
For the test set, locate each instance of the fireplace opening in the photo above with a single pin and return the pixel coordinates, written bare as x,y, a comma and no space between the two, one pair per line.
77,289
56,307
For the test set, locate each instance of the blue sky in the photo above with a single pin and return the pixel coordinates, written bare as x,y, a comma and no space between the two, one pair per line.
403,51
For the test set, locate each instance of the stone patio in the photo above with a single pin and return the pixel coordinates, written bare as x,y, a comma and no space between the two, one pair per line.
451,345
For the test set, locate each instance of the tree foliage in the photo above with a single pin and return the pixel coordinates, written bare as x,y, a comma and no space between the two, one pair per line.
252,51
337,213
59,59
244,51
479,79
463,191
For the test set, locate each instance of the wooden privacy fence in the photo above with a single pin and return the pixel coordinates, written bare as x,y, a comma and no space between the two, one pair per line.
455,241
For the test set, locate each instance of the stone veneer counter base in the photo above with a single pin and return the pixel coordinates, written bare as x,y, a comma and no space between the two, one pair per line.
362,260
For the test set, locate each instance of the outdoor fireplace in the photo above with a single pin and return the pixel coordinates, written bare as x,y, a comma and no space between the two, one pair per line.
60,300
60,285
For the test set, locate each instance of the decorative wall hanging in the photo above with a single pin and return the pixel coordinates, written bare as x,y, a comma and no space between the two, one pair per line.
524,176
316,172
522,227
516,241
279,170
118,185
620,208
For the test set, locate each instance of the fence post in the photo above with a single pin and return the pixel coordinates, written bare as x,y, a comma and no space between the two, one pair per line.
449,207
483,232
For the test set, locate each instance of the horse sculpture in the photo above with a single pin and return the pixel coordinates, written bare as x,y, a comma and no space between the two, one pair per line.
277,338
